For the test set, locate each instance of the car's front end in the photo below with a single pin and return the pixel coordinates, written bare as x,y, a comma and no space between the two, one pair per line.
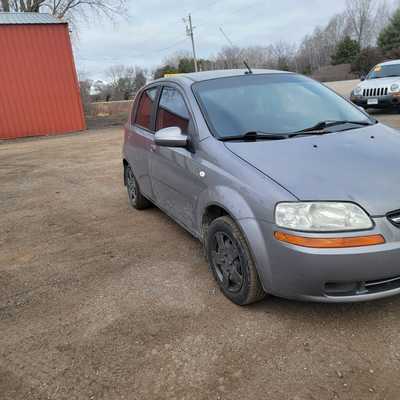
324,225
380,89
336,266
336,236
376,94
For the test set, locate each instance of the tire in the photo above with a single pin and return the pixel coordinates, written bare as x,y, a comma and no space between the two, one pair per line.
135,197
231,262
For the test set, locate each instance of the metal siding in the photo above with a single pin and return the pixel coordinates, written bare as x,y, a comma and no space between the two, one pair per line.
12,18
39,90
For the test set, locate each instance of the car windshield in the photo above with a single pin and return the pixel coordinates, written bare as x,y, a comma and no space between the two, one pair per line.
384,71
273,103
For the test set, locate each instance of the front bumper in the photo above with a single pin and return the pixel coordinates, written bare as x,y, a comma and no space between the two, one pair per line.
331,275
389,100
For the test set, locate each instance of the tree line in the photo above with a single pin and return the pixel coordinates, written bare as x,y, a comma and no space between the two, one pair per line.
364,34
122,84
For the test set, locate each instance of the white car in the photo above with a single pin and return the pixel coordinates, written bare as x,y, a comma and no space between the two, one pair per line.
380,88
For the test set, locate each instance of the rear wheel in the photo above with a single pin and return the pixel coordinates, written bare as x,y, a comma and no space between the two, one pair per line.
136,199
231,262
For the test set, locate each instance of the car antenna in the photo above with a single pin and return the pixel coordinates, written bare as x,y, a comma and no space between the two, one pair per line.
249,70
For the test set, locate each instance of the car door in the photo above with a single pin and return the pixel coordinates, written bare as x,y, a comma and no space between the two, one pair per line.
175,172
139,138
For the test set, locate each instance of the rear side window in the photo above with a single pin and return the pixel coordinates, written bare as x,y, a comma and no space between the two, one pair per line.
145,108
172,110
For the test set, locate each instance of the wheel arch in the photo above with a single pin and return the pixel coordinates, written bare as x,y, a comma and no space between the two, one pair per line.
211,212
125,165
241,214
221,200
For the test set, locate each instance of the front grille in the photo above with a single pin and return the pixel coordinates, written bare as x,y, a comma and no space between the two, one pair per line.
373,92
394,218
363,287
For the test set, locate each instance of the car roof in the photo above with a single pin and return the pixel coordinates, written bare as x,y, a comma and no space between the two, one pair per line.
207,75
392,62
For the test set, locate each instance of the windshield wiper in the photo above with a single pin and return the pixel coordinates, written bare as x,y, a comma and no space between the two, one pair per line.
252,136
318,128
321,126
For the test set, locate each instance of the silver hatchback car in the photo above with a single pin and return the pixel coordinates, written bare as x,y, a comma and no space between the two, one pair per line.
292,189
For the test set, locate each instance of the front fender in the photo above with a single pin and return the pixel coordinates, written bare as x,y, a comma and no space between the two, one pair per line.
240,211
230,200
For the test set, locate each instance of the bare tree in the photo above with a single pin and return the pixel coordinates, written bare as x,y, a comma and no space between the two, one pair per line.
100,91
359,14
384,11
362,20
315,51
174,59
116,72
125,81
258,56
367,18
84,87
70,10
229,57
279,55
282,55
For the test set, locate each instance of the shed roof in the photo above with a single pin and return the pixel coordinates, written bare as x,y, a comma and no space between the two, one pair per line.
30,18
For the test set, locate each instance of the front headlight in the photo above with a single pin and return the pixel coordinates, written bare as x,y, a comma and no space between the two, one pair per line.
358,91
395,87
321,216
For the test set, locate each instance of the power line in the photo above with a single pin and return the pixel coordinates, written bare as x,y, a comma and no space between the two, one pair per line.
139,55
144,54
226,37
170,47
171,21
249,5
189,32
205,6
249,71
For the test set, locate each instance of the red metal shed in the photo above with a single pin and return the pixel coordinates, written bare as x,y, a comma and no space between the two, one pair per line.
39,89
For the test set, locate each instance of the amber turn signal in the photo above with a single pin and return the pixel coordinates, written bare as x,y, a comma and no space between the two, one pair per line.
329,243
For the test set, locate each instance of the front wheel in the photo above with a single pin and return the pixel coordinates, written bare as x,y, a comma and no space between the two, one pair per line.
231,262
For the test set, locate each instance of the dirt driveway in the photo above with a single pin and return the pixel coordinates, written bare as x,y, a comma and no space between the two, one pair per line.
98,301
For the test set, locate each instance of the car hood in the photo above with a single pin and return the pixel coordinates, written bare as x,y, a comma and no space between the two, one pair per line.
359,165
375,83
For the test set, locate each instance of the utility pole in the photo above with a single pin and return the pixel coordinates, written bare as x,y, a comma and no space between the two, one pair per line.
189,32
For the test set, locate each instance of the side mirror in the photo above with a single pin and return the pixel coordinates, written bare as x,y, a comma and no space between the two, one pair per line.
171,137
362,78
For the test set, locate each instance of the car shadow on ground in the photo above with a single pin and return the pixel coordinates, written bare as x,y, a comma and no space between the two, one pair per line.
373,310
280,306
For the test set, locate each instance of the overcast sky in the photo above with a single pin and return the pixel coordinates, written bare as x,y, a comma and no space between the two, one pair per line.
154,29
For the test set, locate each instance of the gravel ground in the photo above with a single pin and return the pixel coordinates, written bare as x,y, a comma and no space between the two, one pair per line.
98,301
